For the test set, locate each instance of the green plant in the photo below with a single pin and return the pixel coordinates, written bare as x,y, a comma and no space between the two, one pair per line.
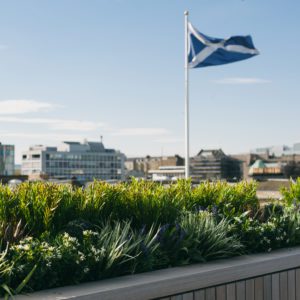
6,267
115,249
146,252
47,207
209,239
279,228
74,235
12,232
270,210
291,195
228,199
197,237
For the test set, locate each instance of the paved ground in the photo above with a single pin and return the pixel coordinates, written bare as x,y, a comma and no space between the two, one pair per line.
272,185
265,195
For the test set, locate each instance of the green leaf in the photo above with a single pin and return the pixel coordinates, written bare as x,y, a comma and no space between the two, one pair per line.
25,280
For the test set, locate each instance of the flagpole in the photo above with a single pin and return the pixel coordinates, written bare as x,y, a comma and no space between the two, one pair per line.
186,81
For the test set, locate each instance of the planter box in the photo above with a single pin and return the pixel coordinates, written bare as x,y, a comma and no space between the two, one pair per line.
265,276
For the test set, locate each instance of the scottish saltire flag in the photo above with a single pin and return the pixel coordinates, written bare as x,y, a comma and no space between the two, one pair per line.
205,51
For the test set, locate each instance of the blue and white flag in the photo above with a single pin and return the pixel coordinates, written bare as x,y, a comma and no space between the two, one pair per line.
204,51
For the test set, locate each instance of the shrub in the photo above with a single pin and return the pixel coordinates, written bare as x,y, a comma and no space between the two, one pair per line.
280,229
270,210
197,238
60,235
47,207
11,232
113,250
291,195
6,267
209,239
229,200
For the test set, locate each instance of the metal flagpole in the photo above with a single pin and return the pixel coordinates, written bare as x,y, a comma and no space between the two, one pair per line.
186,69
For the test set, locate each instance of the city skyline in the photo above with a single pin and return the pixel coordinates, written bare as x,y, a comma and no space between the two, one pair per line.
71,71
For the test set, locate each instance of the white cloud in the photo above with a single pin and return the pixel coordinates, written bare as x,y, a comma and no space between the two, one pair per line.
39,136
242,80
140,131
23,106
56,124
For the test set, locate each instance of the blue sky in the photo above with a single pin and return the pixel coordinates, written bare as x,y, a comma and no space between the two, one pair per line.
73,69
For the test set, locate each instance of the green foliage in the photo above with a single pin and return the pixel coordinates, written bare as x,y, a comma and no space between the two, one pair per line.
116,249
209,239
59,235
291,195
229,199
280,229
6,267
34,204
47,207
110,251
270,210
12,232
197,237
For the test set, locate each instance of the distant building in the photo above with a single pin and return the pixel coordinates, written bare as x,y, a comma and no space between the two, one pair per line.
18,169
266,170
140,166
168,173
83,161
7,160
247,160
286,158
271,162
133,168
215,165
277,151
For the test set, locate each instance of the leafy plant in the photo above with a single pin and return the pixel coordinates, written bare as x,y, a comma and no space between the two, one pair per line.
5,270
230,200
12,232
209,239
281,228
198,238
291,195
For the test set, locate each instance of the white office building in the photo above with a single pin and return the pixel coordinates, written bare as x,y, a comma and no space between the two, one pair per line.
168,173
84,161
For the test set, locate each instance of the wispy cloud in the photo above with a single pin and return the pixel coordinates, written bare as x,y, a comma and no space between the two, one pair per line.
56,137
56,124
140,131
23,106
242,80
2,47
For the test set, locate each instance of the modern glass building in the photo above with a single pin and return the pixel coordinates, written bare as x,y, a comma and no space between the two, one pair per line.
7,160
83,161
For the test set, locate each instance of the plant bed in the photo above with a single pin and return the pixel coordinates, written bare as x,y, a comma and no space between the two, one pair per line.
275,274
54,235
